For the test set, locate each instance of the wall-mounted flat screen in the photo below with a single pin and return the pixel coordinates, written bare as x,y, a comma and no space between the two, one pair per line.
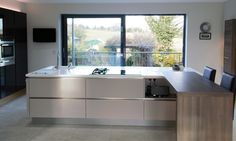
44,34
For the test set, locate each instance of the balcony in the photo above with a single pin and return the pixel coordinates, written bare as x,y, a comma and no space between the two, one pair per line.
99,58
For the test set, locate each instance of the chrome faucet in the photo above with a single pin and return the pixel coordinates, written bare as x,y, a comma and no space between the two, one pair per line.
69,66
58,60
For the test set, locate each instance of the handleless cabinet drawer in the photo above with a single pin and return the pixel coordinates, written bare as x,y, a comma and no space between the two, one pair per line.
115,109
57,87
160,110
114,88
57,108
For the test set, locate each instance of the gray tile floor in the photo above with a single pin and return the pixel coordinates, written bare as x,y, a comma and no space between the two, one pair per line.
15,126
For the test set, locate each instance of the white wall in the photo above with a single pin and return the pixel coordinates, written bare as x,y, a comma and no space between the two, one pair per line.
230,10
13,5
198,53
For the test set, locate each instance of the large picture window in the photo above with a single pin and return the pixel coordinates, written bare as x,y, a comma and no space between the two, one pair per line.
123,40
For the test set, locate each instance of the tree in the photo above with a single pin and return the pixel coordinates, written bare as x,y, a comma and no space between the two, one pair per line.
164,30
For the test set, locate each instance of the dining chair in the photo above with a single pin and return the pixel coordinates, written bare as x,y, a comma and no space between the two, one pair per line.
209,73
227,81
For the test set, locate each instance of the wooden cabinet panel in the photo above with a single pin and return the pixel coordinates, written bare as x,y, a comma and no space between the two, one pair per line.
227,66
58,87
160,110
119,88
115,109
203,117
57,108
230,47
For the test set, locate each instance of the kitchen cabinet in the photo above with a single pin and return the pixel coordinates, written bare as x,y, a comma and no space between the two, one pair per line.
8,22
2,82
115,88
102,108
54,108
64,96
162,110
204,116
20,36
10,78
7,80
114,109
230,47
97,99
14,28
57,87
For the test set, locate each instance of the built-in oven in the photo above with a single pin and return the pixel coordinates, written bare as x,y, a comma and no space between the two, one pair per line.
7,53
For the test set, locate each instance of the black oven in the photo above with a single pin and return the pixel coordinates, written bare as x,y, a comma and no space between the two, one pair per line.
7,49
7,53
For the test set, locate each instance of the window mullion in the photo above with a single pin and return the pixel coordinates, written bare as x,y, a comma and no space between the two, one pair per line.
123,41
73,42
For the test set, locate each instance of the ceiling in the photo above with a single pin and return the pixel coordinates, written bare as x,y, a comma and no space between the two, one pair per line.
120,1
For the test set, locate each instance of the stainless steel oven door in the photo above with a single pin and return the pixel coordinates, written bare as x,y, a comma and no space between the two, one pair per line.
7,53
7,50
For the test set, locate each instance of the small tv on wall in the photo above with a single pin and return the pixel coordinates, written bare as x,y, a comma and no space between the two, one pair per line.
44,35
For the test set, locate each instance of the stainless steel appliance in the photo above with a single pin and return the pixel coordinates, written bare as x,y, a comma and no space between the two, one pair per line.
7,53
153,89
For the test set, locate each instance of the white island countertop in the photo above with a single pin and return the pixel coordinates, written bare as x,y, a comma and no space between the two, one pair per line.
114,99
113,72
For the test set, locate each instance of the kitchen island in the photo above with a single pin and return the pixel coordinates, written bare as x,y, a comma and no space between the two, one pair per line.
201,109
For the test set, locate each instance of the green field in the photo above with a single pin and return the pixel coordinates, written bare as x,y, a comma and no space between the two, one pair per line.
104,35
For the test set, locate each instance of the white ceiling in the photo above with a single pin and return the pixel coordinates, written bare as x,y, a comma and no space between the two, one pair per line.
120,1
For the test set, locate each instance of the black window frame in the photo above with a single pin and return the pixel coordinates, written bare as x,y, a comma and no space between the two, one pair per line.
64,48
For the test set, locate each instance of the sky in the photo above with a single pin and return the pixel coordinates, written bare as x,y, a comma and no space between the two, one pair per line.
136,21
96,22
131,22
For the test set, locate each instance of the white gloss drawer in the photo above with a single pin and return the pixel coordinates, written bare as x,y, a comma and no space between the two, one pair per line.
160,110
115,109
56,87
57,108
115,88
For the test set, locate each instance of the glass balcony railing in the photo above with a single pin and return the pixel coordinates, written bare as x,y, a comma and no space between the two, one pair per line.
160,59
99,58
